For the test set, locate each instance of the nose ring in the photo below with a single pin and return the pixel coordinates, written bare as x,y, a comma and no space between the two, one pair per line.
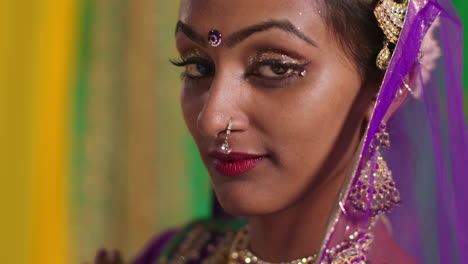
226,148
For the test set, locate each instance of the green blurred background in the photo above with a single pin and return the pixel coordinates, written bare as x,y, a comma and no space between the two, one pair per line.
93,149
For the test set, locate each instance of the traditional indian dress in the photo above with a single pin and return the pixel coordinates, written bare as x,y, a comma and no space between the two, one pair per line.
423,176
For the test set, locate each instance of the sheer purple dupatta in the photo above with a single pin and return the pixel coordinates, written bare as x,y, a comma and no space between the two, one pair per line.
429,145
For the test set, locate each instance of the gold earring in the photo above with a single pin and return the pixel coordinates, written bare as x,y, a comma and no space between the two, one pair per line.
391,17
226,148
375,190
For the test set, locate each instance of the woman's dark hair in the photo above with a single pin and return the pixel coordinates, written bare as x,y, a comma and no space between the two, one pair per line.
358,32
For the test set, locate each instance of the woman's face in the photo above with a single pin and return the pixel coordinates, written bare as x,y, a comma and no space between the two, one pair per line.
295,97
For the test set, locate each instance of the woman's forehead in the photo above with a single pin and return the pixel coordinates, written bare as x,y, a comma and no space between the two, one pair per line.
230,16
234,12
229,8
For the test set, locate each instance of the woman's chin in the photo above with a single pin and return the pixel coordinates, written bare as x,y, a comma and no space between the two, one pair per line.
238,208
237,202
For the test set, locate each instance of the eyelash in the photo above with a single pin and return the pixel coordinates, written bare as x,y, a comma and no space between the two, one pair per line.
252,70
195,61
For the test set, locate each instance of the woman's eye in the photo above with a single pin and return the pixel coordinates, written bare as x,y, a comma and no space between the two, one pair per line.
275,70
197,70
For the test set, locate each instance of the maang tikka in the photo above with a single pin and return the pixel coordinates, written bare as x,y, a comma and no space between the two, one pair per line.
226,148
375,191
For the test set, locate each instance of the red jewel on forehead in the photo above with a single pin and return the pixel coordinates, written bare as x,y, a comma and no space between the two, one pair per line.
215,38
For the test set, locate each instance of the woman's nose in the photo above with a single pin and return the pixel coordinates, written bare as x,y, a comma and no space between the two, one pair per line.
222,104
212,123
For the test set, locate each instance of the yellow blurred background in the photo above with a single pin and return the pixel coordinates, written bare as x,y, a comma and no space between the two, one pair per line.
93,149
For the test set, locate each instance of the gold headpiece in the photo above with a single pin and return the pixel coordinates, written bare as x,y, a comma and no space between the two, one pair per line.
391,16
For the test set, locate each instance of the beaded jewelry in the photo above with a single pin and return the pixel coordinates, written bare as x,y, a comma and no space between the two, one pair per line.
375,191
391,17
352,250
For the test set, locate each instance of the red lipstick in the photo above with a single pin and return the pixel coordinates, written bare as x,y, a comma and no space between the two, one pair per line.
235,164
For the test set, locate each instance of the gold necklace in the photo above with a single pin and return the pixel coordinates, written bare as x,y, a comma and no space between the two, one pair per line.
352,250
241,254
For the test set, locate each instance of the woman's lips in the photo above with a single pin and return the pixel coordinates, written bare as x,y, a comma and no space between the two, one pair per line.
235,164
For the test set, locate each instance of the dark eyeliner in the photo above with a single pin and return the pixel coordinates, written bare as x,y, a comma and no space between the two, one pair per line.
273,62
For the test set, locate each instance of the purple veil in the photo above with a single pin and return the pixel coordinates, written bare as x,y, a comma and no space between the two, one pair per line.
428,156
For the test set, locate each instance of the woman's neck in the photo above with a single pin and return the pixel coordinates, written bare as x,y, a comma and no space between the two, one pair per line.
296,232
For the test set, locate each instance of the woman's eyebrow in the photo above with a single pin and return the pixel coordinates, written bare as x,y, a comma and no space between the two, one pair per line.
190,33
243,34
284,25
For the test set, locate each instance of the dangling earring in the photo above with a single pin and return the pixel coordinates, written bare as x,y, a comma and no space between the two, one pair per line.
375,190
226,148
391,17
384,57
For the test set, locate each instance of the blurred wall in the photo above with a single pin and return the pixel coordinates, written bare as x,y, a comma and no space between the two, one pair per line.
93,149
133,169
